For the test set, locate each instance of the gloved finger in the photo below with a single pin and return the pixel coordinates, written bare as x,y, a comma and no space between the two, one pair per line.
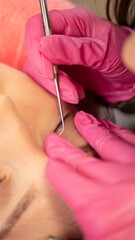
100,171
58,21
66,182
121,132
38,29
42,70
78,51
75,22
90,46
64,22
57,147
93,204
32,40
107,144
70,91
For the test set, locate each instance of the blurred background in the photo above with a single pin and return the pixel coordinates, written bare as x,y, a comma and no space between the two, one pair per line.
13,16
97,6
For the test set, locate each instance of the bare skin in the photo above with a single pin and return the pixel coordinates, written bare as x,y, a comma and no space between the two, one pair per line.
28,114
128,53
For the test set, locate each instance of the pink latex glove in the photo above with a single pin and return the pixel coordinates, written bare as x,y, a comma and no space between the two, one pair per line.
89,47
101,193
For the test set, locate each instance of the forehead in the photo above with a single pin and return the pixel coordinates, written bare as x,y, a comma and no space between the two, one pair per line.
37,107
19,85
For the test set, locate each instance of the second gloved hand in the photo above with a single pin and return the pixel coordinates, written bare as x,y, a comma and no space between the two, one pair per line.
101,191
87,49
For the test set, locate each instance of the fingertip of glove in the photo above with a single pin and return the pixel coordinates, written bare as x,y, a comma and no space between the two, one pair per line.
80,91
58,22
55,144
70,91
50,140
36,18
84,118
72,98
88,126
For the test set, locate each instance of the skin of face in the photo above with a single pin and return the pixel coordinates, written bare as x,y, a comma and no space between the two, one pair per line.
28,114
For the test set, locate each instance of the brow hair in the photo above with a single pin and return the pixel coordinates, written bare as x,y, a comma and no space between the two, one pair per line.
19,210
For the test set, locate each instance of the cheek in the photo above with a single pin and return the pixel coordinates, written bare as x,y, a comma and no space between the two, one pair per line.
128,53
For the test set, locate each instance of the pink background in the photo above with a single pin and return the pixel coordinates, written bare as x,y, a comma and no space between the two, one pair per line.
13,16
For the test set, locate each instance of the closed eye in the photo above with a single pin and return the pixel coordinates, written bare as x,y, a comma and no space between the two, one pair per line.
60,123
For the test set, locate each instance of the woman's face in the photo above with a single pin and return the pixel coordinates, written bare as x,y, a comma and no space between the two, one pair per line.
29,207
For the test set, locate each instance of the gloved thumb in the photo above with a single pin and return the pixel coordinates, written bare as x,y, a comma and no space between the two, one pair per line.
63,155
106,143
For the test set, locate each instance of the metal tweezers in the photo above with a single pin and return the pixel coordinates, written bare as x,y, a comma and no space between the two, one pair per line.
47,28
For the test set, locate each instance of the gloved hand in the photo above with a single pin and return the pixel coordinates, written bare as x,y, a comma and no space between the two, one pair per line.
101,191
87,49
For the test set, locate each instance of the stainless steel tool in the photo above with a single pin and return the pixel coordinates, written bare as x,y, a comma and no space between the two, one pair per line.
47,29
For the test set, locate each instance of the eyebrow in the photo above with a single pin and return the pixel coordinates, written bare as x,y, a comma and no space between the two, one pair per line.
19,210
